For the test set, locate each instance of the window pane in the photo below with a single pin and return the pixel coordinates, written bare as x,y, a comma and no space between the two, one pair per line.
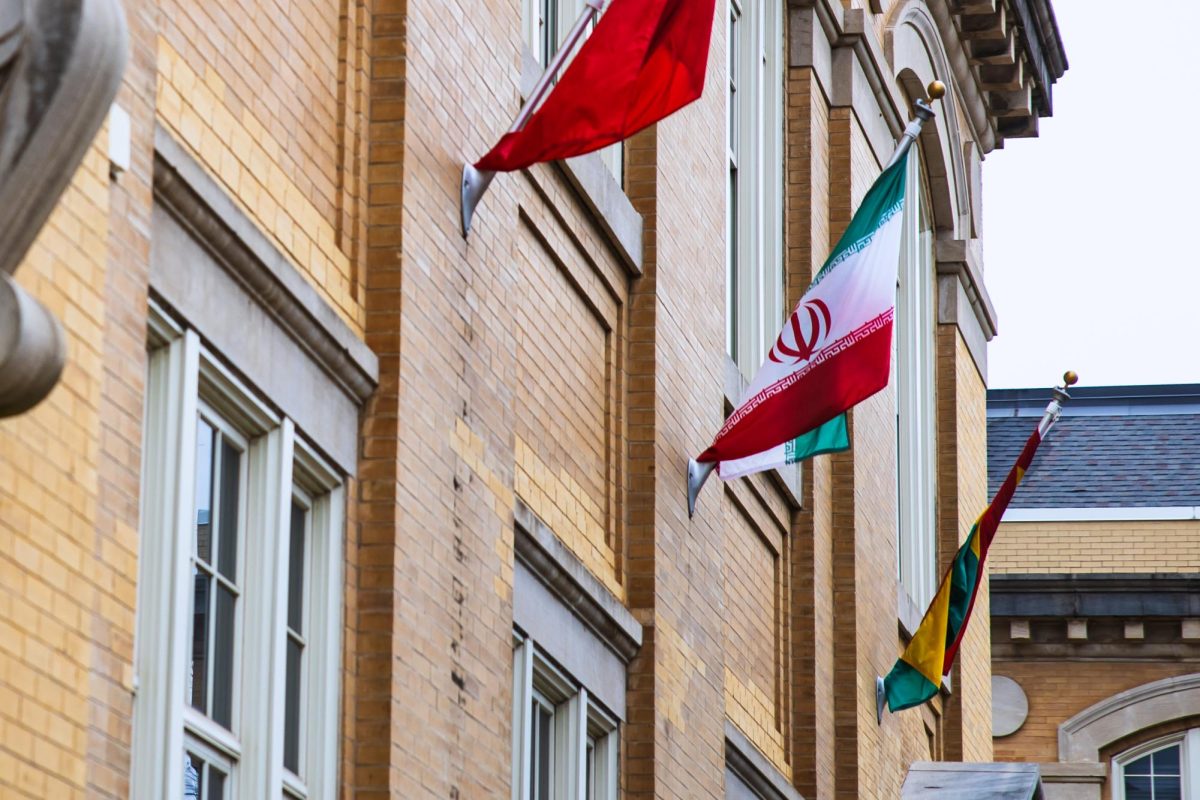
230,468
1139,767
1166,761
291,708
204,468
193,776
296,570
222,710
543,721
1137,788
197,678
591,769
1167,789
216,784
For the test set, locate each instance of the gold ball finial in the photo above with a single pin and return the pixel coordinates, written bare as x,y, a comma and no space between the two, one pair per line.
1070,377
936,90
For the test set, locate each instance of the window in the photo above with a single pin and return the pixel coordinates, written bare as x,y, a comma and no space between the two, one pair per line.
916,440
546,24
564,744
1165,769
754,207
240,582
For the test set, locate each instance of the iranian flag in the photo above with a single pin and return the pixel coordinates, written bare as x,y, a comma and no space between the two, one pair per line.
834,350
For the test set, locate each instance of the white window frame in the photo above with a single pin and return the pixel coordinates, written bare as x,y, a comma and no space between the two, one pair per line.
1189,762
184,378
916,405
579,725
754,222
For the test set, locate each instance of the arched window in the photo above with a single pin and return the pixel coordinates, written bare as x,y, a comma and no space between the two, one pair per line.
916,439
1165,769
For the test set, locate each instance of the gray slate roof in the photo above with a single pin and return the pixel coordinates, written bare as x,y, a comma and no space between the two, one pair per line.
1101,461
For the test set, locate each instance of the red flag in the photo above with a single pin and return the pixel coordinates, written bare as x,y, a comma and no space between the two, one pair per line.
644,61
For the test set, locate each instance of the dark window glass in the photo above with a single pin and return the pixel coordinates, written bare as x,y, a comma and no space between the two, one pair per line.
1166,761
230,467
222,710
1137,788
543,719
1167,788
216,784
296,570
1139,767
204,468
291,708
198,674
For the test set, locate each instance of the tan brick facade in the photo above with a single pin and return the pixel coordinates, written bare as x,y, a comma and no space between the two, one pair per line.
542,363
1097,547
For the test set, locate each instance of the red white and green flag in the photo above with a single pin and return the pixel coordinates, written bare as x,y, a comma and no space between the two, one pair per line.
834,351
917,675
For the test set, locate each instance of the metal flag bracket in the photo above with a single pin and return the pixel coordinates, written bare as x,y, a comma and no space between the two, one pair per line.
475,182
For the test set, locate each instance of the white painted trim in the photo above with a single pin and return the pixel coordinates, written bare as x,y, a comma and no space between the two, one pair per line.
522,716
1189,762
1125,514
916,414
167,487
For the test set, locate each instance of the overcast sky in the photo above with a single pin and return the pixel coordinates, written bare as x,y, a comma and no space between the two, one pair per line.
1087,228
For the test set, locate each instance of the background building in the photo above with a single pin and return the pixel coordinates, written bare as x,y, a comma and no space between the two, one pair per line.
332,501
1095,629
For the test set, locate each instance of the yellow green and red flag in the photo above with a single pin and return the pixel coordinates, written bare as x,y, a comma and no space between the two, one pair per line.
918,673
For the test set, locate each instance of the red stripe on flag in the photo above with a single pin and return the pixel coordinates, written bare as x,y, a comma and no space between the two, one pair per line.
854,368
989,522
645,60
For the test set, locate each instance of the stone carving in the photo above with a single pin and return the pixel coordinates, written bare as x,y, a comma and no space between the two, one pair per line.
60,67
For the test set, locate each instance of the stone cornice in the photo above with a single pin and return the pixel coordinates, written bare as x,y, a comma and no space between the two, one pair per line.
564,574
195,200
744,760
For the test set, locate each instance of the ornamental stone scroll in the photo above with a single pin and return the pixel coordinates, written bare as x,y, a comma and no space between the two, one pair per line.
60,67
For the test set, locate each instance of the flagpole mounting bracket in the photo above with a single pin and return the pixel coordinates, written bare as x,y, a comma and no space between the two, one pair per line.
880,699
697,474
474,183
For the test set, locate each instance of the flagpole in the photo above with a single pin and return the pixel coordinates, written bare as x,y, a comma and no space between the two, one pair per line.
698,473
1059,397
476,182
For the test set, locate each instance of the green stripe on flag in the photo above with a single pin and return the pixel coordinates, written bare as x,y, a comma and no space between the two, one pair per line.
884,200
832,437
964,576
906,687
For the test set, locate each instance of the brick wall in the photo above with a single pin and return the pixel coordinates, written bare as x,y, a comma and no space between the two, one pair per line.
526,361
1149,546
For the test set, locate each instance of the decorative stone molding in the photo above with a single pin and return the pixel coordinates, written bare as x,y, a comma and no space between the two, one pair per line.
752,768
32,349
1083,736
562,572
1072,781
193,199
53,99
60,67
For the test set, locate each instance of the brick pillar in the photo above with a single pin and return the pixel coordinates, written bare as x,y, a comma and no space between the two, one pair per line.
638,769
808,242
